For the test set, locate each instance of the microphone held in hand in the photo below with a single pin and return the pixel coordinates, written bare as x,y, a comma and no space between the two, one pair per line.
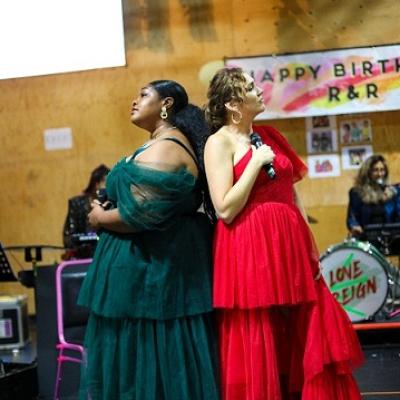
102,197
381,183
385,187
256,141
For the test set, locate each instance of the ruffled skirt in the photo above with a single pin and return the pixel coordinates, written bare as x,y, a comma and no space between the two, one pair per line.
143,359
266,257
305,352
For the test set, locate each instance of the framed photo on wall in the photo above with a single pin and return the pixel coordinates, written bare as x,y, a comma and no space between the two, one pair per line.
322,141
321,122
356,132
323,166
321,134
354,156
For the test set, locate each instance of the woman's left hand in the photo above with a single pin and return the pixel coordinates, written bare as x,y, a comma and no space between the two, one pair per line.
94,217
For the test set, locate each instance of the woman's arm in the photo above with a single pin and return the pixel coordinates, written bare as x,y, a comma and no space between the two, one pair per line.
108,219
228,198
354,213
165,155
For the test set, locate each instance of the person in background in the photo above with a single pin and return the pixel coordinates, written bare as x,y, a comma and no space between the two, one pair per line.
346,133
372,200
282,334
150,334
366,130
76,221
356,134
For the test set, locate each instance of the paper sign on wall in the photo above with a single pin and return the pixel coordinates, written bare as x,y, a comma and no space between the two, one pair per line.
58,139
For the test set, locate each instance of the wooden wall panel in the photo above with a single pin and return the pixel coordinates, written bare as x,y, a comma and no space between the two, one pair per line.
170,39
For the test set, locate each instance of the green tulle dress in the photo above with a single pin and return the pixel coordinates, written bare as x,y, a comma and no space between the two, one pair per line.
150,334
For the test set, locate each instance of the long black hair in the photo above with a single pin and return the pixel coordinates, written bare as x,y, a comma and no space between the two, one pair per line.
190,120
97,175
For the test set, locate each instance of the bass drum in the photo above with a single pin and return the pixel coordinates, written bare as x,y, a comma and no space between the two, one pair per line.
357,275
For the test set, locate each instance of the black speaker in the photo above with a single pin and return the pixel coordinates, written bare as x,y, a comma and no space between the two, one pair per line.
18,381
379,377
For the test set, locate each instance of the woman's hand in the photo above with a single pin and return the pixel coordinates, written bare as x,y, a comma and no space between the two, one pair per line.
230,197
108,219
263,155
94,217
356,230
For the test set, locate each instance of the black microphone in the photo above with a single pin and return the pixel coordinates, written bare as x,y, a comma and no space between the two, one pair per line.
102,197
256,141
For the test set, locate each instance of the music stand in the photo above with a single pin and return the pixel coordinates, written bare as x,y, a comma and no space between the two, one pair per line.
6,273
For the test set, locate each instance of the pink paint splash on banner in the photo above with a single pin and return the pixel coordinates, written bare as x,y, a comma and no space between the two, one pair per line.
307,98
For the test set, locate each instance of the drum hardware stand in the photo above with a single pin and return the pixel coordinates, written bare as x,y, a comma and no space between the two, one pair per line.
384,242
394,313
393,300
387,239
385,235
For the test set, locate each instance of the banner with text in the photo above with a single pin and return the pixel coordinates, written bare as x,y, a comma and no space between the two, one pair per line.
326,83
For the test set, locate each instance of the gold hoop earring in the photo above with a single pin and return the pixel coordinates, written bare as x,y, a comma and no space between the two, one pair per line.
163,113
235,121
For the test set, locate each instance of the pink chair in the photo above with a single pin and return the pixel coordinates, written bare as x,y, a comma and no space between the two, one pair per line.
71,318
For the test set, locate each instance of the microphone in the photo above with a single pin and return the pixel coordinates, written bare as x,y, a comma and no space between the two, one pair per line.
256,141
381,183
102,197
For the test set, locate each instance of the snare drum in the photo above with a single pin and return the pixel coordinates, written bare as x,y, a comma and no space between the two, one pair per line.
357,275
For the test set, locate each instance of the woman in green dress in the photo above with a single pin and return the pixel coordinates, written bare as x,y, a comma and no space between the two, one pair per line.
150,334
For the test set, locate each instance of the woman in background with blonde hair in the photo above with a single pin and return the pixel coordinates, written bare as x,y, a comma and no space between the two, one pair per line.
372,200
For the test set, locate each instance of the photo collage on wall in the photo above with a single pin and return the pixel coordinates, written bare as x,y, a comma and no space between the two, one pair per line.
322,147
323,150
356,142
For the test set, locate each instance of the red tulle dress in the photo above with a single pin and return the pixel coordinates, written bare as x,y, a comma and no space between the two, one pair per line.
282,334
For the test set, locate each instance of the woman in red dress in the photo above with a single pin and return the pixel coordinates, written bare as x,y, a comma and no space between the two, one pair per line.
282,334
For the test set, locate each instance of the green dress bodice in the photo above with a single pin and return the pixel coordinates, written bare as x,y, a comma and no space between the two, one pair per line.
163,270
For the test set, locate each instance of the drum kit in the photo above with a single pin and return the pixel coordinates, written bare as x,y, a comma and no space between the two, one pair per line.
361,275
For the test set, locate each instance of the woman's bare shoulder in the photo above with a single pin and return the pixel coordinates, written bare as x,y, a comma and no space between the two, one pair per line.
161,151
221,138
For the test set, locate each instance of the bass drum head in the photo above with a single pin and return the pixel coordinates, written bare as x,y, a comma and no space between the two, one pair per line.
356,274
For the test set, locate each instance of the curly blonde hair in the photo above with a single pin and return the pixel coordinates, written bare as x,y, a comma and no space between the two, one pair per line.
226,85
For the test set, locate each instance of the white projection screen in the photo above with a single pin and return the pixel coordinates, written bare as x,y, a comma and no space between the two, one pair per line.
41,37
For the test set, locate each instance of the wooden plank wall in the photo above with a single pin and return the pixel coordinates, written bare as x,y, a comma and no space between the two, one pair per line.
181,40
